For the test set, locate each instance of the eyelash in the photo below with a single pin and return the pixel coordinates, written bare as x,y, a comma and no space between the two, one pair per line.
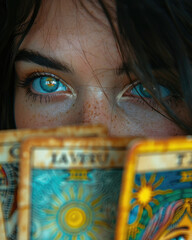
174,98
28,81
180,235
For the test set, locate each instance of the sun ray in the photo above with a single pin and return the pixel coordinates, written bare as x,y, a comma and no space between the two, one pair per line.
82,237
96,229
57,200
101,223
72,193
149,210
155,201
50,211
55,207
96,201
143,180
134,195
49,225
152,179
137,187
97,208
74,237
90,234
58,236
158,183
80,193
140,213
100,215
88,198
51,218
161,192
65,196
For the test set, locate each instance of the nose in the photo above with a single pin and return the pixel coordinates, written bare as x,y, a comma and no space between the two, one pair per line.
96,107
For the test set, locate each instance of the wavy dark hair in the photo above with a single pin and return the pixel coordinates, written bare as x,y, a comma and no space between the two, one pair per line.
151,35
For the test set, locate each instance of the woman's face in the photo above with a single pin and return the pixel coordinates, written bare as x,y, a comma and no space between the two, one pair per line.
69,71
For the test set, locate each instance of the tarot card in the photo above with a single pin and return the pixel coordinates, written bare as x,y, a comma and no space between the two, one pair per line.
2,224
69,188
156,195
9,159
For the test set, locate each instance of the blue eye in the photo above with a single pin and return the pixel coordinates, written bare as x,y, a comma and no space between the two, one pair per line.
140,90
47,84
178,238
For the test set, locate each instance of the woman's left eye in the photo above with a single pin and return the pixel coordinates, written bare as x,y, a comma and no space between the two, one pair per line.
178,238
140,91
48,84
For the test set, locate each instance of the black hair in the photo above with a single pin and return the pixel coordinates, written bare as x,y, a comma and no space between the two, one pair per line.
16,19
158,34
150,34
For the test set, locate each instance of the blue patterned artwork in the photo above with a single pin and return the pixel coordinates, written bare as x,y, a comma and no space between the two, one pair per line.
8,188
74,204
160,203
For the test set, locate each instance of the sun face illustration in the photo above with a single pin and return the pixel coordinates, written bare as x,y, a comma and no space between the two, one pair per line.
144,195
74,215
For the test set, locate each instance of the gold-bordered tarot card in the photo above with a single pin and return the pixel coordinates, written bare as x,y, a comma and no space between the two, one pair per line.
2,224
69,188
156,195
9,160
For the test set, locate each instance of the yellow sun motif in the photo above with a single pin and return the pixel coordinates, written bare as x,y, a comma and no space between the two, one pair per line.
75,216
143,196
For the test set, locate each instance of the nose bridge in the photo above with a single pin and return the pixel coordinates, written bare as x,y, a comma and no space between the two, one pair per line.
96,107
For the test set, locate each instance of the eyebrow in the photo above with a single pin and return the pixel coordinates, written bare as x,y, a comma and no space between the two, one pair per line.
49,62
42,60
177,229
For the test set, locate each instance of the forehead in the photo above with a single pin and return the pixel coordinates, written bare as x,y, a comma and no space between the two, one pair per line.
73,27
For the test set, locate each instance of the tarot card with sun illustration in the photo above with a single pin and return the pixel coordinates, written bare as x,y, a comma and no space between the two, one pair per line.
69,188
9,160
156,194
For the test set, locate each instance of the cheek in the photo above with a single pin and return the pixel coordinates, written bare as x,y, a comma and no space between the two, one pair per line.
132,120
35,114
158,127
140,120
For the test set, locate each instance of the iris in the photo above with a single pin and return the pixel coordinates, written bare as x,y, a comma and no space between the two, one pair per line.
46,84
141,91
178,238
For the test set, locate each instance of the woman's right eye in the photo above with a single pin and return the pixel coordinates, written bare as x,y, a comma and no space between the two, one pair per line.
48,84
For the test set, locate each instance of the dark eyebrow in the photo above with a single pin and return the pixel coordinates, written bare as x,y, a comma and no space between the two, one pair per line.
155,66
123,69
177,229
40,59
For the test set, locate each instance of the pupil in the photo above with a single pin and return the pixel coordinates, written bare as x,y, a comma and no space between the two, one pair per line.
49,84
144,91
